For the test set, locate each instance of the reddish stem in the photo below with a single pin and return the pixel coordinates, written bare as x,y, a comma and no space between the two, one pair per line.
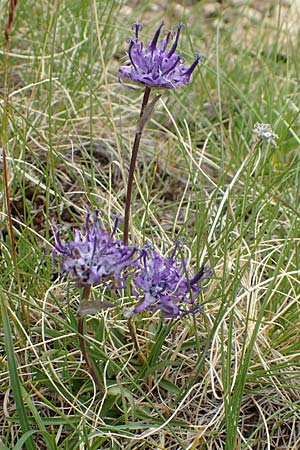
135,149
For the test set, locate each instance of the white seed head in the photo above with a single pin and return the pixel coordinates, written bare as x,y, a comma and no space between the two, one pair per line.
265,132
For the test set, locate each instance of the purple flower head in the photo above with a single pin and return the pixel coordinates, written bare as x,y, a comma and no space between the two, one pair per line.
157,65
94,255
166,285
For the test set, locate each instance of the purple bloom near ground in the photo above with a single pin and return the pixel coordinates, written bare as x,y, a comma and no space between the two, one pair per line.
157,65
94,255
166,286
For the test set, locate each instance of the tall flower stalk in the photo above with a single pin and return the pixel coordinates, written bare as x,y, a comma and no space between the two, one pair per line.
156,65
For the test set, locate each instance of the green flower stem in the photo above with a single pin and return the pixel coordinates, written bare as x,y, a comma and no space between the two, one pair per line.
82,342
134,153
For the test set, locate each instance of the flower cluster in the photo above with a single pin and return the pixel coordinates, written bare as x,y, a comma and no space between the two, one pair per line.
94,255
157,64
165,285
264,132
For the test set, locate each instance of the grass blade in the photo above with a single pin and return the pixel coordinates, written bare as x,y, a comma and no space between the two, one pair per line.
14,377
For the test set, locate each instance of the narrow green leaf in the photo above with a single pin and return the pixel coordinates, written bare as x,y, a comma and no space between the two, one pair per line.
28,436
169,386
14,377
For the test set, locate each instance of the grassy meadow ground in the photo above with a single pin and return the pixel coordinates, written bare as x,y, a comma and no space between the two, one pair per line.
228,378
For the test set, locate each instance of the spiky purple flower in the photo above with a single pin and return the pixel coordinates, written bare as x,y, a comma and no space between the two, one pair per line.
94,255
157,65
165,284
